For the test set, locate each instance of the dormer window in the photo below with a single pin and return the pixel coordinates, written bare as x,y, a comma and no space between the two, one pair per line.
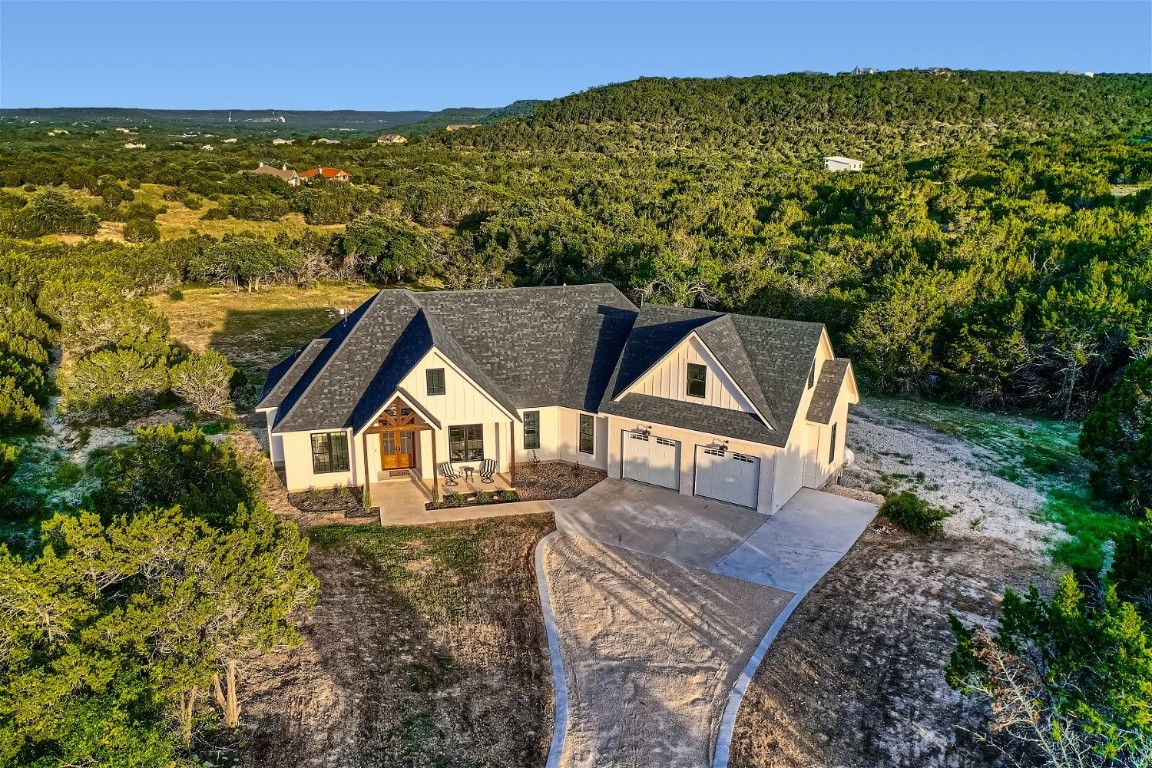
697,380
812,375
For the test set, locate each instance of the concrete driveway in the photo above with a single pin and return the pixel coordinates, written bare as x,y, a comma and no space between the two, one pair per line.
791,550
656,657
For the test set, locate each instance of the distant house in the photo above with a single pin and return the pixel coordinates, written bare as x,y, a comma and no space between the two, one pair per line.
229,141
838,163
58,132
391,138
207,148
284,173
278,142
130,145
1089,74
458,127
331,174
325,141
124,130
864,71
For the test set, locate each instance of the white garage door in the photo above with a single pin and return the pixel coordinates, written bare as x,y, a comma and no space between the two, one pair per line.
727,476
650,459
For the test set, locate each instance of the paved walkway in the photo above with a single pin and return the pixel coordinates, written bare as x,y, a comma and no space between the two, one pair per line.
651,652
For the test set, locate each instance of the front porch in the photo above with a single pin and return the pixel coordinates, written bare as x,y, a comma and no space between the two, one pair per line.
402,500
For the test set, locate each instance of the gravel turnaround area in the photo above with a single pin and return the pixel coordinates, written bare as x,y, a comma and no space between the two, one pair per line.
650,650
855,678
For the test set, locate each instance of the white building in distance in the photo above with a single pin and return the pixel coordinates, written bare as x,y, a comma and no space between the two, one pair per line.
838,163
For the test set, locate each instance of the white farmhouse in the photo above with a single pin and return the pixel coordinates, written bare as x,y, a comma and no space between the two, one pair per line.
745,410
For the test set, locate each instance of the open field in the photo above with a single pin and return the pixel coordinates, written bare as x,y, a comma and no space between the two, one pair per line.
179,220
426,648
257,330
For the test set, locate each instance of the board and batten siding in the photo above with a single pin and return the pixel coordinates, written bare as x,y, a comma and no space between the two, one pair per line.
669,379
463,403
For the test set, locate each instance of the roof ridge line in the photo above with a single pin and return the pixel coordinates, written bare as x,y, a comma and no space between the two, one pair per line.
755,379
339,348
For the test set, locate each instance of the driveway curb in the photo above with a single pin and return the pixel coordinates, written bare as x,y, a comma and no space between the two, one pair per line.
736,697
559,684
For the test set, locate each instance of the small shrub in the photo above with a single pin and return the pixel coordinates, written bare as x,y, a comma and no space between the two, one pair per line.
215,214
507,495
455,499
176,294
69,473
30,188
141,231
313,493
483,497
913,514
203,381
9,462
342,492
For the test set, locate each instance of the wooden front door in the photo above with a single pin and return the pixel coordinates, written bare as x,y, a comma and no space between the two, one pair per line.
397,449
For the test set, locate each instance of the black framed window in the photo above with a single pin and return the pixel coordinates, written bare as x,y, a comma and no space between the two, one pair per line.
435,378
832,445
531,430
697,380
329,452
466,443
587,434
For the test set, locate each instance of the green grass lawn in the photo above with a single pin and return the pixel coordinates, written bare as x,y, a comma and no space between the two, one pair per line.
1034,451
257,330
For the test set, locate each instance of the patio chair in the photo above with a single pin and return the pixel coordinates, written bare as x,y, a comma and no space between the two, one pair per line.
449,473
487,469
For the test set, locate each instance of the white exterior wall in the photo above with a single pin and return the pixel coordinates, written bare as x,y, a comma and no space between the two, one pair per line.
549,449
689,440
275,442
669,379
568,439
298,464
462,403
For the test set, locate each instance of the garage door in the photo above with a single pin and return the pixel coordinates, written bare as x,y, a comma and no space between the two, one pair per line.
651,459
727,476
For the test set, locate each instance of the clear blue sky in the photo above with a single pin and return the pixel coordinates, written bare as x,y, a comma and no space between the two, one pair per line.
377,55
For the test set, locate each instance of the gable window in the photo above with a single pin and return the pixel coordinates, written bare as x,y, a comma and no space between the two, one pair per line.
811,375
697,380
435,377
531,430
832,445
329,452
466,443
587,434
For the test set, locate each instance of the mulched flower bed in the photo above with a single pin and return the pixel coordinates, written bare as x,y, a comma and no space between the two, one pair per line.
471,500
555,480
348,502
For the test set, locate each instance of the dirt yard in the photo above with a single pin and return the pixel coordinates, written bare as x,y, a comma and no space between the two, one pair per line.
651,651
855,678
554,480
426,648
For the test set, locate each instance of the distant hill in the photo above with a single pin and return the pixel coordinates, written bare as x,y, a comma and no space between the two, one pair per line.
288,119
805,114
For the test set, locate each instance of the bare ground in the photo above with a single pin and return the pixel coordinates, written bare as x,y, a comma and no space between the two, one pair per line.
651,651
426,648
855,679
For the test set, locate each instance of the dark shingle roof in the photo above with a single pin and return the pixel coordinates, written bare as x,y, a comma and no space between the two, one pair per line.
526,347
709,419
574,346
768,359
823,401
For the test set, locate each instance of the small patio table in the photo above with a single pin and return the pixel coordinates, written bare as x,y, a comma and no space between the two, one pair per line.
468,473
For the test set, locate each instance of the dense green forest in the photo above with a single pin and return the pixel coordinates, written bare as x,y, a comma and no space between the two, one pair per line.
997,249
